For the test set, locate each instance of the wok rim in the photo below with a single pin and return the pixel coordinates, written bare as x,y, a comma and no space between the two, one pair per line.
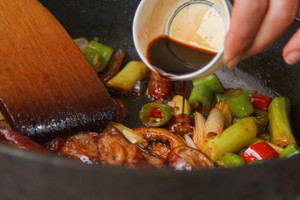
63,162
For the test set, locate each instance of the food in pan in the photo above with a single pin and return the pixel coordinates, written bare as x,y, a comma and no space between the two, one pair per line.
184,128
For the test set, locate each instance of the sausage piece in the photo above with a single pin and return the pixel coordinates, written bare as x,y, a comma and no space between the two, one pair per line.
16,139
114,66
160,88
123,111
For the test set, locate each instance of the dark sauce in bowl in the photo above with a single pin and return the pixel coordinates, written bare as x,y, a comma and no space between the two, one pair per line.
176,57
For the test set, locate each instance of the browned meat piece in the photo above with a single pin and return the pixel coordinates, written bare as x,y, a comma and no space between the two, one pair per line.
187,158
114,65
180,125
115,149
82,146
16,139
160,88
122,111
154,160
159,149
56,144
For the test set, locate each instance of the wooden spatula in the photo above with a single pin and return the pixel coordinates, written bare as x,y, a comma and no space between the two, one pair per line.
47,87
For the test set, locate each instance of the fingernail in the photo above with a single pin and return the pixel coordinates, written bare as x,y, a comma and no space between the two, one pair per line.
233,61
292,58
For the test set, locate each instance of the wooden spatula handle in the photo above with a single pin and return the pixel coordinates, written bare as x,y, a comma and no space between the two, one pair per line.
47,86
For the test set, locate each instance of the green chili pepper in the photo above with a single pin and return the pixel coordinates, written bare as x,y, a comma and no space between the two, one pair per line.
164,114
218,98
262,120
239,103
201,98
250,93
280,128
98,55
264,136
211,81
232,160
290,150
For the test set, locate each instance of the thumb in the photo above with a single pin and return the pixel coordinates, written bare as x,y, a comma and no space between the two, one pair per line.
291,52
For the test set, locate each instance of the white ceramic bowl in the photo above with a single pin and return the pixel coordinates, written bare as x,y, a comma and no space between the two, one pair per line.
150,21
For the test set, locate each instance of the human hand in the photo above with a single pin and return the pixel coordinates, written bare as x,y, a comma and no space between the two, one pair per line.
256,25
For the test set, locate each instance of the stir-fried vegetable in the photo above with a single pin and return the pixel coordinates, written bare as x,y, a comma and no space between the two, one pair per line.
219,97
179,108
156,114
233,139
203,92
239,103
211,81
128,76
131,135
189,141
259,151
262,119
198,133
290,150
214,124
275,147
260,101
232,160
201,98
250,93
98,55
224,108
82,44
280,128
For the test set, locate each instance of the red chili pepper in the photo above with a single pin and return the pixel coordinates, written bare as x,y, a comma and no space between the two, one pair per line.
260,101
158,101
155,112
259,151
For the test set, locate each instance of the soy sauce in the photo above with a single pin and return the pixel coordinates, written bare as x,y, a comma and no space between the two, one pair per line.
175,57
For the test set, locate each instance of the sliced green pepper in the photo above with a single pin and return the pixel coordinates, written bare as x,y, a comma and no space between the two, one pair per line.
262,120
148,119
232,160
218,98
290,150
98,55
201,98
211,81
250,93
280,128
239,103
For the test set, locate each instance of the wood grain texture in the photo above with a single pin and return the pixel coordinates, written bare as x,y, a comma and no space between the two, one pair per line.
47,86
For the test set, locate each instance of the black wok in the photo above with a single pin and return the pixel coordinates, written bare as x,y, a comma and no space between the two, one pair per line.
27,175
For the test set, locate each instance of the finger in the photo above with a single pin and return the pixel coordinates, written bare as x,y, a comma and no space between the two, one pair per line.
291,52
247,15
279,16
